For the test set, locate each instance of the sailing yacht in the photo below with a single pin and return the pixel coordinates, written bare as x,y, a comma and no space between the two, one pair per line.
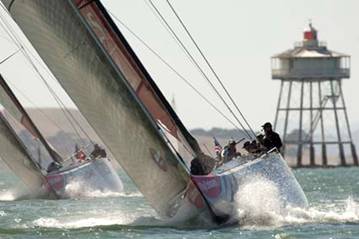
94,63
45,173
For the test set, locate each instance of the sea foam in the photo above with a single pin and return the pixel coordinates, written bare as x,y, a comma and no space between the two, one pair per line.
259,205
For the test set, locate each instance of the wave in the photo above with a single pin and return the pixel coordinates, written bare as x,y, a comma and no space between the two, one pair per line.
78,188
323,214
258,202
8,195
347,213
19,193
81,223
259,206
119,219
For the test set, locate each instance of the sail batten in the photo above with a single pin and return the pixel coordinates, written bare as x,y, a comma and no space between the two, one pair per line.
101,92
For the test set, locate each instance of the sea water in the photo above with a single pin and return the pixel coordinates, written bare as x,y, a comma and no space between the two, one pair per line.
333,195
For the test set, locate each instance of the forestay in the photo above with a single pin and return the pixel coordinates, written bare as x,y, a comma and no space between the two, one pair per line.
100,90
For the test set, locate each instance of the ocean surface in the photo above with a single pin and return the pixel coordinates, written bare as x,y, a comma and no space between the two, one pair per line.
333,195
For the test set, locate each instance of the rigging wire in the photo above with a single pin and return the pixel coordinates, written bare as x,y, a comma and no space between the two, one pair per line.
6,39
37,108
33,104
189,55
27,53
5,27
174,70
41,111
67,113
25,96
9,56
55,97
210,66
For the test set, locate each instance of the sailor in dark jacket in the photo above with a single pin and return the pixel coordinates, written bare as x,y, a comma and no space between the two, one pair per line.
271,139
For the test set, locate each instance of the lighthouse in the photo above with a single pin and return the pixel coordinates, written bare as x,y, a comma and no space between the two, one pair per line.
311,112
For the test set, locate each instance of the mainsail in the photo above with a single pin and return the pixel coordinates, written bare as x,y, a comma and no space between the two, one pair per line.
145,88
104,95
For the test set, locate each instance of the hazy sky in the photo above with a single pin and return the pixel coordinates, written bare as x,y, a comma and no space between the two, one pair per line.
238,37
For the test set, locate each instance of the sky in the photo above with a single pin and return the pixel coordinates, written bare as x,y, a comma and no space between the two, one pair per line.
238,37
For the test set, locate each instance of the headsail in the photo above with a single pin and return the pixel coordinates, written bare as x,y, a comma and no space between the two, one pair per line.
102,93
15,156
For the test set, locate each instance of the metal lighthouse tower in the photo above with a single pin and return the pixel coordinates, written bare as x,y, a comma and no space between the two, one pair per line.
311,113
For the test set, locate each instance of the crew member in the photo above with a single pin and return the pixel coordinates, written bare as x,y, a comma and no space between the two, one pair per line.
53,166
270,139
202,164
80,155
252,147
230,151
98,151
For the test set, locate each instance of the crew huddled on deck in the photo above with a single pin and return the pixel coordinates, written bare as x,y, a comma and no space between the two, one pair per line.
203,164
80,155
264,142
252,147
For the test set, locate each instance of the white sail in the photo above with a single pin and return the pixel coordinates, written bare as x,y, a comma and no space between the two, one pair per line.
101,92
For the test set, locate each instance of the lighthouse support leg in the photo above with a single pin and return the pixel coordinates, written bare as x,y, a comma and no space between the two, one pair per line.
287,115
352,146
340,143
300,139
324,147
311,147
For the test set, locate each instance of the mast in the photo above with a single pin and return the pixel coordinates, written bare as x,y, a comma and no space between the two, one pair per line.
28,123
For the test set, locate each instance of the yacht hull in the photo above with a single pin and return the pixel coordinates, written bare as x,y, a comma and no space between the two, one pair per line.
80,180
220,193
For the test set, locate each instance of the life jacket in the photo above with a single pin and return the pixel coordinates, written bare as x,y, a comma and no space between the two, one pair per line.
80,155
